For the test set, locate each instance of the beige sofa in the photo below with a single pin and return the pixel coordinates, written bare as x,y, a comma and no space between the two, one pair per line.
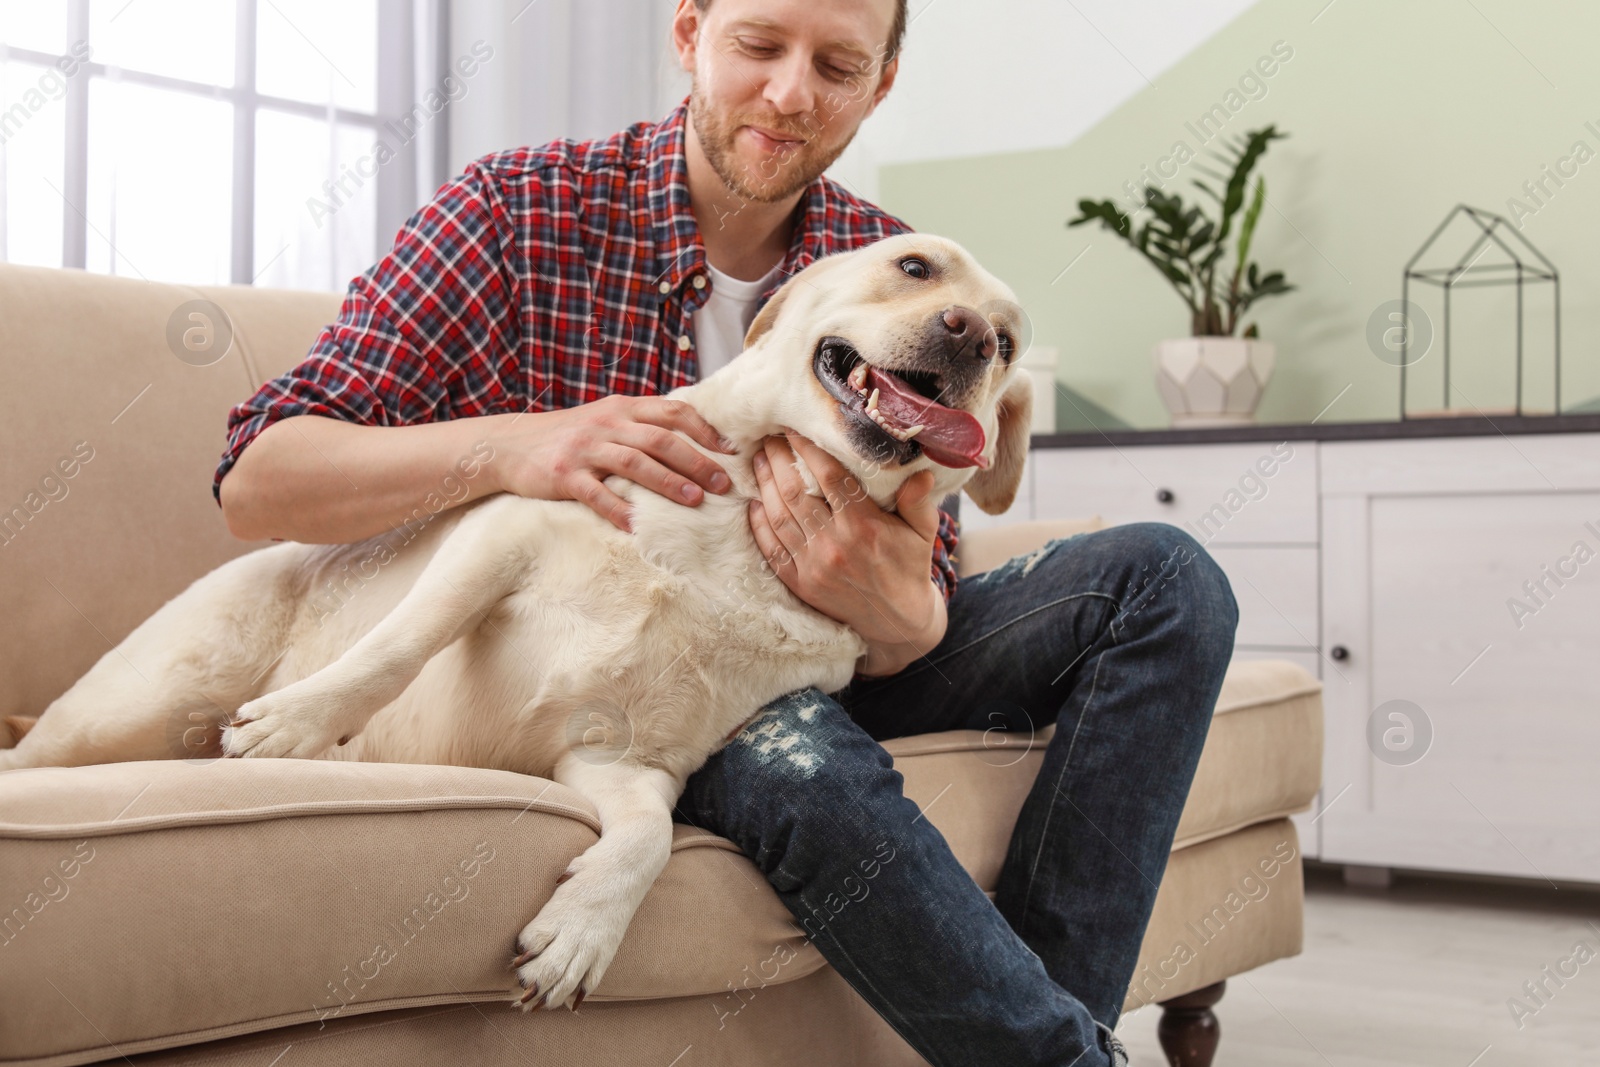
227,911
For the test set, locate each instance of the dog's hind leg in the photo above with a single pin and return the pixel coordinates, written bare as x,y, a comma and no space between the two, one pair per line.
480,561
563,953
166,689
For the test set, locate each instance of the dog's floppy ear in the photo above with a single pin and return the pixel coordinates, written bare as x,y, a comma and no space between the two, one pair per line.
994,489
807,275
768,315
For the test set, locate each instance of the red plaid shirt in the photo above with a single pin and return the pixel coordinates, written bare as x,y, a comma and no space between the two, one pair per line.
539,279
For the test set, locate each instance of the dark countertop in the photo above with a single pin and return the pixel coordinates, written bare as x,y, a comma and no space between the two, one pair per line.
1445,426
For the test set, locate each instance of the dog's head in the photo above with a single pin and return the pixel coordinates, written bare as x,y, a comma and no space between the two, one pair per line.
897,357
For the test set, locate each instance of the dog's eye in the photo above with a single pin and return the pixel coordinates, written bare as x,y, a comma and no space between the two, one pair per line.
917,268
1005,348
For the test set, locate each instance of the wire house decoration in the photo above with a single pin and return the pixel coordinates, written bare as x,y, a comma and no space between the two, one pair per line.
1452,277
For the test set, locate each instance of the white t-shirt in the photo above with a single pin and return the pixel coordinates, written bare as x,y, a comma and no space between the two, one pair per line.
722,321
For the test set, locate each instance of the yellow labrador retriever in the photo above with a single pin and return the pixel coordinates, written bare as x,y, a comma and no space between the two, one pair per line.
534,636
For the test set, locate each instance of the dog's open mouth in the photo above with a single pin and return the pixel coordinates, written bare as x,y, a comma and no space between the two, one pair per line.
902,405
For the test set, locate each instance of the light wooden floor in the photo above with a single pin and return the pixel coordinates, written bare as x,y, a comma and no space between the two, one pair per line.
1417,975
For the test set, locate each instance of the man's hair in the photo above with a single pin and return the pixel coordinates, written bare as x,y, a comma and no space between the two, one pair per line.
897,28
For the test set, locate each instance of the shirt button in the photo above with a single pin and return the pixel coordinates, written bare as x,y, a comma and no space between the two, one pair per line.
699,281
683,342
666,287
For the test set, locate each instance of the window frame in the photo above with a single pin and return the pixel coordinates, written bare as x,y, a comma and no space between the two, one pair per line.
397,186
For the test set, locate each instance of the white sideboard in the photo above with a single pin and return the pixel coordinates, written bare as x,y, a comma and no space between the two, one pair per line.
1463,732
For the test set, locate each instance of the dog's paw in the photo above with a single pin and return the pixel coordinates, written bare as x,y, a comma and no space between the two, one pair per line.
564,952
281,725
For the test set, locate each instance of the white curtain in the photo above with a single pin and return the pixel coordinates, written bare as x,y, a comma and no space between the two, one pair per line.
561,68
420,88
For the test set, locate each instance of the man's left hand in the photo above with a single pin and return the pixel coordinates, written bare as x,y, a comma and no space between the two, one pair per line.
847,557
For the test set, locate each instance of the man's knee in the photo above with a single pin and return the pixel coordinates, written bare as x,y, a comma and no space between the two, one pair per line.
1167,575
798,780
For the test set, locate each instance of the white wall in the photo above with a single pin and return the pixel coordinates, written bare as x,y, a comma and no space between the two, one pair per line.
984,76
977,76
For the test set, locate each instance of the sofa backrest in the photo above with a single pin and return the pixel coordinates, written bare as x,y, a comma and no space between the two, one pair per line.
108,442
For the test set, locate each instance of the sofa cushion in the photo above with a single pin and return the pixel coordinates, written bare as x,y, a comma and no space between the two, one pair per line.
1224,908
242,895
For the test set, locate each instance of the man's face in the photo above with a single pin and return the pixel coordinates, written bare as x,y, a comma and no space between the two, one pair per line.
780,86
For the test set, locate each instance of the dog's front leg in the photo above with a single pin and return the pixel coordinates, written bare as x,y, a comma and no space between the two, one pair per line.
476,564
563,953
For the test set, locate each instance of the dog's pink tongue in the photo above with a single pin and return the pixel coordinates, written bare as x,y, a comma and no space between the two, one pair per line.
950,437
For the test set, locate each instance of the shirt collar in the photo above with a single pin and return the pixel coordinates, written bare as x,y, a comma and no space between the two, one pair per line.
680,252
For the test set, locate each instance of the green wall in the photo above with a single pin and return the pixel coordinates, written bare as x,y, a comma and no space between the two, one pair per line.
1396,112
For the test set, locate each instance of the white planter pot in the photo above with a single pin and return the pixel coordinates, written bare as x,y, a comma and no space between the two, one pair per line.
1213,381
1039,363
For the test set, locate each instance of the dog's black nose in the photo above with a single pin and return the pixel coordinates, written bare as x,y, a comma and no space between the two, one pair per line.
970,331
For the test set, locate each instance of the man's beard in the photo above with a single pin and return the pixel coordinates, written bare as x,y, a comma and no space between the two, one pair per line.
788,174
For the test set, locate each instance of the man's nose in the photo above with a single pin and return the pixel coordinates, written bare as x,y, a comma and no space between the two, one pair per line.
789,89
970,331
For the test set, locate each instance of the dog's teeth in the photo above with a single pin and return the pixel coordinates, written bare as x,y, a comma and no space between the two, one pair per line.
918,428
858,378
872,401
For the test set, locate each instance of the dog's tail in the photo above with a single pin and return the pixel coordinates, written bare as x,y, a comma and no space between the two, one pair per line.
13,728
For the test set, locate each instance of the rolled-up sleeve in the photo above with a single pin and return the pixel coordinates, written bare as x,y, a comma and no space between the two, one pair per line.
429,332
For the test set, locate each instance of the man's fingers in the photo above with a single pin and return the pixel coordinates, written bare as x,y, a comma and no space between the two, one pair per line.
779,558
915,504
833,477
675,414
791,485
589,491
678,455
789,526
643,469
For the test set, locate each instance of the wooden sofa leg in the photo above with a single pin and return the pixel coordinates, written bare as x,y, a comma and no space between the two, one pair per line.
1188,1028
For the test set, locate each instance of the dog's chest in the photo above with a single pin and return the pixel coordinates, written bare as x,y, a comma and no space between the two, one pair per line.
681,624
711,549
682,579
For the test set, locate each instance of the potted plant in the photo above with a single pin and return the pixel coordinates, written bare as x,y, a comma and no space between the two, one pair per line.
1211,378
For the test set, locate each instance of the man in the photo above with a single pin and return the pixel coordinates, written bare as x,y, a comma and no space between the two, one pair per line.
542,300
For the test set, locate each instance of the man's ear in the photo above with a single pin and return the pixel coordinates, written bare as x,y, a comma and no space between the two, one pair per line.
885,83
686,33
994,489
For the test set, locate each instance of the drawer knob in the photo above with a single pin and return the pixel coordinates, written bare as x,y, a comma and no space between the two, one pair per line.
1339,653
1165,496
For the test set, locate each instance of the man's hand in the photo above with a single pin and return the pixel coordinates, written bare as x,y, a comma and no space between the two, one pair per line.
847,557
567,454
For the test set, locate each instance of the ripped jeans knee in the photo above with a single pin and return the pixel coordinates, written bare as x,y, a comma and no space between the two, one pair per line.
787,734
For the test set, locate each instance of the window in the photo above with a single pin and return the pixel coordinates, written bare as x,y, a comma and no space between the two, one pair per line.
214,141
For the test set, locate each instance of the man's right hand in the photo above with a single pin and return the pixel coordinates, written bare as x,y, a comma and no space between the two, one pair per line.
567,454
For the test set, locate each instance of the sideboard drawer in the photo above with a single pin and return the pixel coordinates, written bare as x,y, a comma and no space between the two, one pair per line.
1236,493
1538,463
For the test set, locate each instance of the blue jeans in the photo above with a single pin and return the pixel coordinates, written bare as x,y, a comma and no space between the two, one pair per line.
1121,638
